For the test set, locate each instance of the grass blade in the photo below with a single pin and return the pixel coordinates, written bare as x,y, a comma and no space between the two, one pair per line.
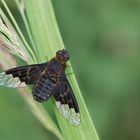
19,31
11,39
48,41
21,8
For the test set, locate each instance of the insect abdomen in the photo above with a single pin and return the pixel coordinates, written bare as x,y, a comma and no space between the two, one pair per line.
43,89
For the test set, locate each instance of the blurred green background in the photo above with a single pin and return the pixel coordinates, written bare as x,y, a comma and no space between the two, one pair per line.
103,38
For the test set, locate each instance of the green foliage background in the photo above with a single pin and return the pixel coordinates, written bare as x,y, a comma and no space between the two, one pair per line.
103,39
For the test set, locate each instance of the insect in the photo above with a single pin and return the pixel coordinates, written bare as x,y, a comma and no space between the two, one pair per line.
48,80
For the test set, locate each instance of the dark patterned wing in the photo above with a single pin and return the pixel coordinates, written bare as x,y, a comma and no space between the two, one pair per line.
66,102
21,76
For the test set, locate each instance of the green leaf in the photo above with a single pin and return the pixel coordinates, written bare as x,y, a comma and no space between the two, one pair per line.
48,40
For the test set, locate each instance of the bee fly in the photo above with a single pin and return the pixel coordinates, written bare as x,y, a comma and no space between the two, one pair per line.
48,80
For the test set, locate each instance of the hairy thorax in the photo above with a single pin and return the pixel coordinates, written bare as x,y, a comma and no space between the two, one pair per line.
55,68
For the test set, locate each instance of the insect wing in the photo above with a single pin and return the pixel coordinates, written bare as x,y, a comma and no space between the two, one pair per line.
66,102
21,76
